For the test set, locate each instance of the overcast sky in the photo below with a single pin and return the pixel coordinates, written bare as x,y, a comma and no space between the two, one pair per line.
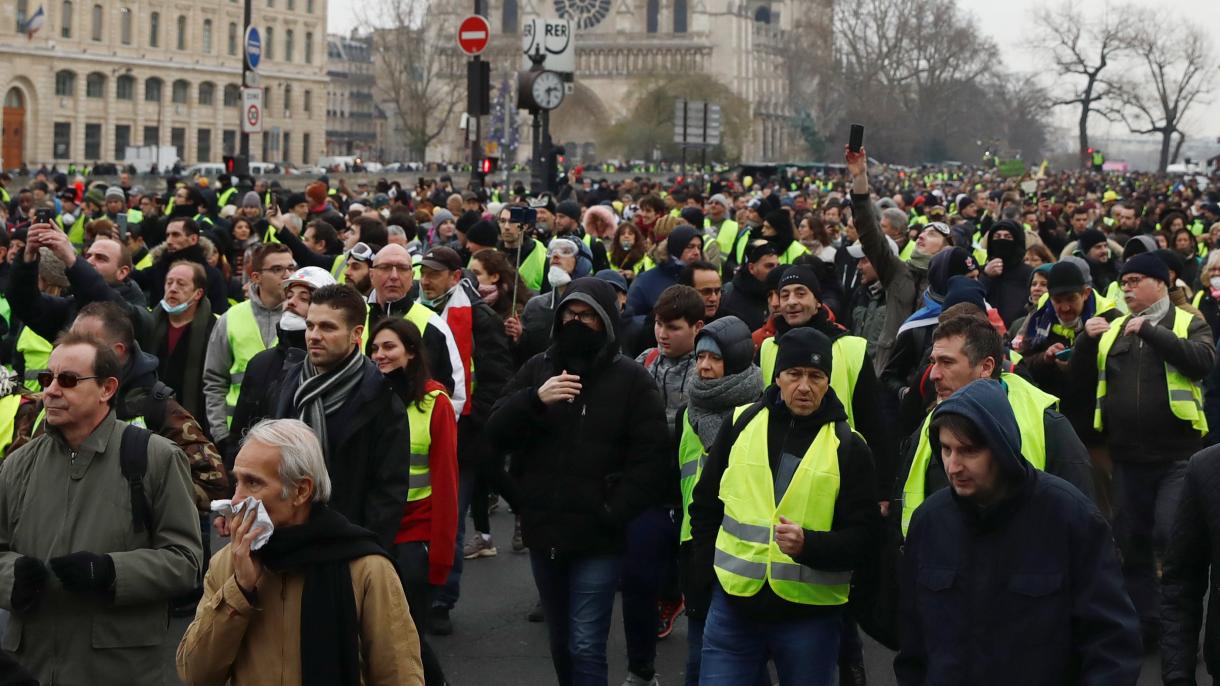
1009,24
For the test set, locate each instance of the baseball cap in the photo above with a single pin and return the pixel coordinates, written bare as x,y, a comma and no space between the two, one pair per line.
856,249
441,259
310,277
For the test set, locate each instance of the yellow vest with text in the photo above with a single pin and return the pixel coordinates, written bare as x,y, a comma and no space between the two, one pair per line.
245,341
1185,396
747,556
847,355
419,421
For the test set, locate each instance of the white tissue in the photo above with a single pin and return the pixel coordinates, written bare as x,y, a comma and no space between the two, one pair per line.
262,527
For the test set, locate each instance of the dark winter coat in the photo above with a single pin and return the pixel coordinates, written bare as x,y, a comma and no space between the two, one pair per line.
745,297
1008,292
152,280
48,315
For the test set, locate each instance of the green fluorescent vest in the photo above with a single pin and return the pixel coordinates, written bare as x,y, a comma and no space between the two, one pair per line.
848,355
245,341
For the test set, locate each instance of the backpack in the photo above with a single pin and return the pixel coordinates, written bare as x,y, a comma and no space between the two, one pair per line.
133,462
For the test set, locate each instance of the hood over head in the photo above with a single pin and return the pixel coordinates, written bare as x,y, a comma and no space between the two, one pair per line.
1139,244
1010,251
985,403
732,337
600,296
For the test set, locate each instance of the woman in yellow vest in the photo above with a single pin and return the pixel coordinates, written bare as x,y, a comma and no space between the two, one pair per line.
628,252
426,538
781,515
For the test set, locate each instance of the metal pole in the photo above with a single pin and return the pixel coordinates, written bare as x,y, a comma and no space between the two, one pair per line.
475,145
685,124
247,17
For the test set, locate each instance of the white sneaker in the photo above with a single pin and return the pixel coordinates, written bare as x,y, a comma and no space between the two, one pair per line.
478,546
634,680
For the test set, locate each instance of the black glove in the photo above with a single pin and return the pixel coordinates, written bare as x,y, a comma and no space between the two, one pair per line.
85,572
29,581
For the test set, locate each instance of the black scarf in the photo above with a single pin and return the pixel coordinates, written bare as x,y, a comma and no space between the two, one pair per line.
322,550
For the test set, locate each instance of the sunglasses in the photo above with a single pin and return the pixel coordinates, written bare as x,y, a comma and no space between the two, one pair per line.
65,379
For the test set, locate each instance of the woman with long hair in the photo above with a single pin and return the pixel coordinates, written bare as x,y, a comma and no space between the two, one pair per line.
427,534
627,251
496,277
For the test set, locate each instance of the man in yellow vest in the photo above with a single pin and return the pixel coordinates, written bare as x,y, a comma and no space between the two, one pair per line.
1147,367
966,348
781,515
527,255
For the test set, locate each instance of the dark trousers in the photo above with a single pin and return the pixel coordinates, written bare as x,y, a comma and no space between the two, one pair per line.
412,561
1146,499
578,602
448,594
648,563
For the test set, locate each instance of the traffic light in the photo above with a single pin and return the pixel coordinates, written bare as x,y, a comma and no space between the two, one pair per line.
236,165
489,165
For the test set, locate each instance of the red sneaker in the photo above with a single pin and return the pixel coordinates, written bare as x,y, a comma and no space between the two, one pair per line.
668,611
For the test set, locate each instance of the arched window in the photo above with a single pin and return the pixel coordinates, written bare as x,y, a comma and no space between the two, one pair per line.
207,35
14,99
653,16
180,90
65,82
680,16
154,29
65,19
508,17
98,17
125,25
95,85
289,45
207,93
182,32
232,95
126,88
152,89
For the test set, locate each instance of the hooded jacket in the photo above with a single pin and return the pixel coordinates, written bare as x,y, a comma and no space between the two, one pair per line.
1025,591
584,469
1008,292
745,297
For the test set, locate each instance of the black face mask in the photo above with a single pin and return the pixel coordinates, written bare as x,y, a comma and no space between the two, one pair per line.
576,346
1005,249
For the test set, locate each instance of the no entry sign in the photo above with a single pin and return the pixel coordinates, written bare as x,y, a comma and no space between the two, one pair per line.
473,35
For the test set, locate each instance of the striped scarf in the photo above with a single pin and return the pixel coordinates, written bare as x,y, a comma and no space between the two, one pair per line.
322,394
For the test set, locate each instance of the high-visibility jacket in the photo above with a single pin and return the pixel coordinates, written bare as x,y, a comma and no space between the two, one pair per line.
339,268
848,355
747,555
1028,402
223,198
245,341
691,456
36,351
1185,396
790,254
726,236
8,419
533,267
417,315
419,421
76,232
145,262
907,251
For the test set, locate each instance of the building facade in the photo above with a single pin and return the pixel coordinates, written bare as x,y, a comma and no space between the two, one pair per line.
101,75
351,111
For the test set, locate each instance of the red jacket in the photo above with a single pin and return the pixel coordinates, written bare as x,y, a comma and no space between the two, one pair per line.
434,519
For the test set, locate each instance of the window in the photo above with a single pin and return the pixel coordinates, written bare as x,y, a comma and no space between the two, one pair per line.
97,22
154,29
292,5
232,38
269,44
232,95
207,93
23,13
266,145
122,139
287,101
508,17
762,15
207,35
286,154
152,90
63,140
680,16
182,32
307,103
152,135
125,25
309,47
309,6
305,148
126,87
228,142
93,141
65,19
289,47
177,138
179,92
65,83
653,18
95,85
267,99
203,145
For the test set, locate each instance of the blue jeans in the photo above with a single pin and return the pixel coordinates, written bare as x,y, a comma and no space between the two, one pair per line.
735,647
694,655
652,539
578,601
448,595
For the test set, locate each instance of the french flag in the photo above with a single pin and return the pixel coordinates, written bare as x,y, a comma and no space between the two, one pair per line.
35,22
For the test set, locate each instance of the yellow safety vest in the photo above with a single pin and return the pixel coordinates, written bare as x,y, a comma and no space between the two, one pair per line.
727,235
223,198
76,232
245,341
8,419
36,351
417,315
907,251
1185,396
847,353
691,457
339,268
145,262
746,553
533,267
419,421
1028,402
790,254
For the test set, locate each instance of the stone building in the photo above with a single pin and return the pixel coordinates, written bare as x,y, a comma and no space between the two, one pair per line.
352,114
101,75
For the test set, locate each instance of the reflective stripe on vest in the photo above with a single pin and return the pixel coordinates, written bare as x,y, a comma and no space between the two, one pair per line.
533,267
1185,396
36,351
691,457
1028,403
245,341
419,421
746,553
339,268
847,354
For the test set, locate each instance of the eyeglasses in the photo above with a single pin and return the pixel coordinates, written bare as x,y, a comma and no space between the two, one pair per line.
280,269
1132,281
584,316
387,268
65,379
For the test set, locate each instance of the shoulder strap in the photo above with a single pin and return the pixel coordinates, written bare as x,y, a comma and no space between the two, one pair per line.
843,432
133,461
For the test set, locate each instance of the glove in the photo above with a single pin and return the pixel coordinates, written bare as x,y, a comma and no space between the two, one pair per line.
29,581
85,572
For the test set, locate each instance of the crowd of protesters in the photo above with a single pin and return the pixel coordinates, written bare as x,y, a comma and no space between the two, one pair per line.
966,414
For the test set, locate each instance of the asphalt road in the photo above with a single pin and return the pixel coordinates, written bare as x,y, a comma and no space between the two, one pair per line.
492,643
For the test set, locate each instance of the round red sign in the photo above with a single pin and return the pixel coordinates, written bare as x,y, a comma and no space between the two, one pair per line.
473,34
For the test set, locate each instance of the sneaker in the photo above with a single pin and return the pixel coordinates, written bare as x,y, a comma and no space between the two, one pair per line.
636,680
535,614
478,546
441,624
668,612
518,541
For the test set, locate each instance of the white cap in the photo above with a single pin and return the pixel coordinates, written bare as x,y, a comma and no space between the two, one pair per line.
313,277
856,249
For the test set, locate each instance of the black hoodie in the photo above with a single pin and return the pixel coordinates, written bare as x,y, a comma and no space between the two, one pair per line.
1008,292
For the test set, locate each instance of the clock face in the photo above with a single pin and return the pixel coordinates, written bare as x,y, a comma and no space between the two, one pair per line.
585,14
547,90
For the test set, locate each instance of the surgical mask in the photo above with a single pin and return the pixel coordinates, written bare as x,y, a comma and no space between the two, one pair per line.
626,244
68,218
174,309
557,277
1214,282
291,321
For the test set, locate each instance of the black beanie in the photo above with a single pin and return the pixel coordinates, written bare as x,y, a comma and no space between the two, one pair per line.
1089,238
678,239
1173,261
692,216
483,233
945,265
963,289
802,275
781,221
468,219
803,347
775,275
1147,264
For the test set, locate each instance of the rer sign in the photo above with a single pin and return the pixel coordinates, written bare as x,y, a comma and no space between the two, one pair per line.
254,47
552,39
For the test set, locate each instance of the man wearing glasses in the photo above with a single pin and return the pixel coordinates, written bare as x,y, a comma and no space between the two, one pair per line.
90,593
246,330
1147,368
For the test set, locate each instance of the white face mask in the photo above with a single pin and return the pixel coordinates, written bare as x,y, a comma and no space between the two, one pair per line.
557,277
1214,282
291,321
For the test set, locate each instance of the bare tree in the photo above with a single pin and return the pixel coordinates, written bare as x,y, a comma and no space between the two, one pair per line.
1082,48
417,67
1177,72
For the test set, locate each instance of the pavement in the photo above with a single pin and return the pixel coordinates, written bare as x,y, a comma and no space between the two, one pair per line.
493,644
